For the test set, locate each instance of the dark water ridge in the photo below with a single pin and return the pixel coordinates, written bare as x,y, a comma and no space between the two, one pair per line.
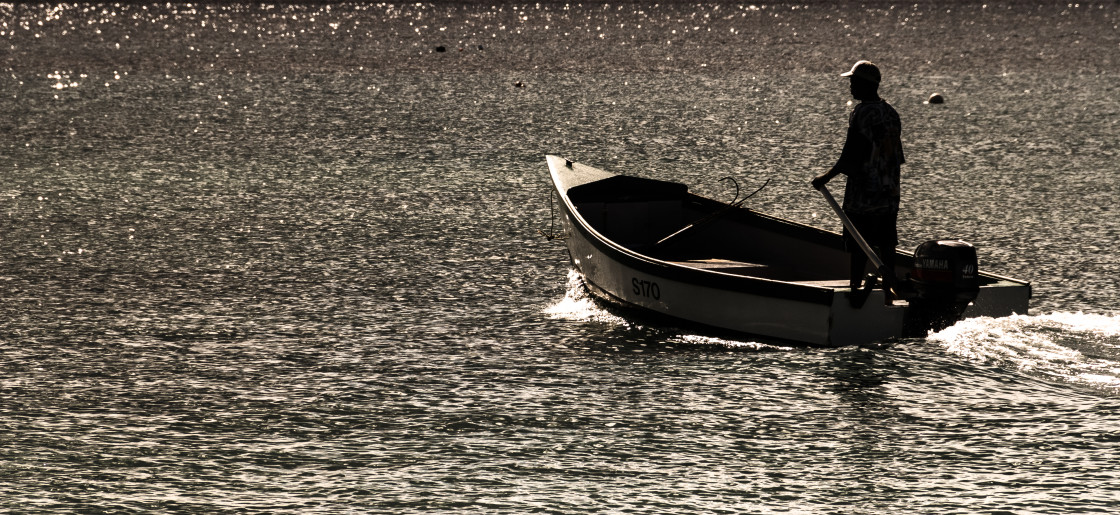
287,259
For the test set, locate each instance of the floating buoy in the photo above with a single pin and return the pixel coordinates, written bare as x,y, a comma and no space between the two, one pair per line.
936,98
519,84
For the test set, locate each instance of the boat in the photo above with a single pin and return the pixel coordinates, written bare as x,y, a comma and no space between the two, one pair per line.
683,260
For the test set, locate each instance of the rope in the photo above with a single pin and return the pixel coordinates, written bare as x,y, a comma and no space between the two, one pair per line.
551,235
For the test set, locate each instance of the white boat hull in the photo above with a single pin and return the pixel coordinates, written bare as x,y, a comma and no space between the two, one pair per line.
736,311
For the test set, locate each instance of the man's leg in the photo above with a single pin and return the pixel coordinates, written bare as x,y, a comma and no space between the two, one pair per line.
858,263
888,256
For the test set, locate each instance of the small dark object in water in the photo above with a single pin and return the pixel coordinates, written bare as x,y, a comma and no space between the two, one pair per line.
519,84
441,49
936,98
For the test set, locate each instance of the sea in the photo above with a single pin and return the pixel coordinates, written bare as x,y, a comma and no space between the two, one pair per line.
296,258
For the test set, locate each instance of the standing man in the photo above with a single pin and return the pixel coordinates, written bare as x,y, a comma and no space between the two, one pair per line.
872,159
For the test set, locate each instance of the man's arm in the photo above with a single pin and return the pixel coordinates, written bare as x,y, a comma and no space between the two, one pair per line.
855,148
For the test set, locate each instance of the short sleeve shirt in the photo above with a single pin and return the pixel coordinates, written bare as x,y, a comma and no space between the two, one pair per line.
872,159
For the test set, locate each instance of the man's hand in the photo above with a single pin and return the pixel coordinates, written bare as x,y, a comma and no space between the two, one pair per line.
821,180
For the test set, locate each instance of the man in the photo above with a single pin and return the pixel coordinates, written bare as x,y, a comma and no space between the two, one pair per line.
872,159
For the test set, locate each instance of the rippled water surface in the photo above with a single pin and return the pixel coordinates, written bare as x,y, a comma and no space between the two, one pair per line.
290,259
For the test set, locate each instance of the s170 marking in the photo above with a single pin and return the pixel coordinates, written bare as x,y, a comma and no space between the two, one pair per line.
645,288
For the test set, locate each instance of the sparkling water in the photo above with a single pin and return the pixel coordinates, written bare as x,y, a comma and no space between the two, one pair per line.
291,259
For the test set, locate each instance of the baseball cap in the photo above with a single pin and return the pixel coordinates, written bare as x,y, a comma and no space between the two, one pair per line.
865,70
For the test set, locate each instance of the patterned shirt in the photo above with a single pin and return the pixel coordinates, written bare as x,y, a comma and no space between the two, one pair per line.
872,159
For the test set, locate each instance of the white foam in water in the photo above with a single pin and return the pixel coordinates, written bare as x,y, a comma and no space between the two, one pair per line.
695,339
1076,347
578,305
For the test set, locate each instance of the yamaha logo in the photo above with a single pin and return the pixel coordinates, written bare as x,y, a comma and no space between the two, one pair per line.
934,264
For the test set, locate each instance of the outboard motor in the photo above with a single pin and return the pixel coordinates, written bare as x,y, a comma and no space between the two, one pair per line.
946,280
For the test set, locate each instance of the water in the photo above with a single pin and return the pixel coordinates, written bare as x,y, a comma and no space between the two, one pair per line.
288,259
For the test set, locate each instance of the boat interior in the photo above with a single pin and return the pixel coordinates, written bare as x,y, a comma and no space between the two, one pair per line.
662,220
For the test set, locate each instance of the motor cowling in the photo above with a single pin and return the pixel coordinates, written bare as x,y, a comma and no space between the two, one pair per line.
946,271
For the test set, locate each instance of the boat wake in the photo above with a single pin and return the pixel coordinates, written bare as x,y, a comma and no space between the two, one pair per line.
1076,348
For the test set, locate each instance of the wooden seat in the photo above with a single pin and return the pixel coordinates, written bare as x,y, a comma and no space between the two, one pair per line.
727,266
